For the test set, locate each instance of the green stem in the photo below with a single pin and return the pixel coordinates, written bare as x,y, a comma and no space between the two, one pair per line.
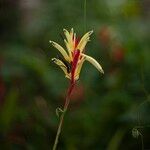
85,7
142,142
58,131
67,101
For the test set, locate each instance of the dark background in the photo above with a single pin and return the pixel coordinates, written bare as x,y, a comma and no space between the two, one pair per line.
104,109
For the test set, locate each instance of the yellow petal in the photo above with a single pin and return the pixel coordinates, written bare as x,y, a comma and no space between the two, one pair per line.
74,40
93,62
69,38
84,41
61,50
71,33
62,66
78,69
68,49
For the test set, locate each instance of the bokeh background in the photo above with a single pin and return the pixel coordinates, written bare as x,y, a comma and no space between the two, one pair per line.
107,112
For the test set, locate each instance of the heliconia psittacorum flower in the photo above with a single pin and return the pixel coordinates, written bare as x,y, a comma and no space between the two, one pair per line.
73,55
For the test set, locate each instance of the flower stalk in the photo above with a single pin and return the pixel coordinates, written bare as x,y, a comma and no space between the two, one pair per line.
67,101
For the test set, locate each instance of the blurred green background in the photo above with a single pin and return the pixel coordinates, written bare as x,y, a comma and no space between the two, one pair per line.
104,109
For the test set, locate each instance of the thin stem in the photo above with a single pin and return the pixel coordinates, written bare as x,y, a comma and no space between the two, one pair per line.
58,131
85,10
142,142
67,101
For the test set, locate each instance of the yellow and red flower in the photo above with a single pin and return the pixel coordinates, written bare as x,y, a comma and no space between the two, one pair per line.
74,57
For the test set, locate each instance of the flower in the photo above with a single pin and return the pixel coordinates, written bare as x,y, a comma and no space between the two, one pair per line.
73,57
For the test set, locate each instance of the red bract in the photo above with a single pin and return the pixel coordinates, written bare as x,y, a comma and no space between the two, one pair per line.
74,64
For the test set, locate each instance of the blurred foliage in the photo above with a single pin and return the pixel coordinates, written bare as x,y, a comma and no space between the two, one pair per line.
104,109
